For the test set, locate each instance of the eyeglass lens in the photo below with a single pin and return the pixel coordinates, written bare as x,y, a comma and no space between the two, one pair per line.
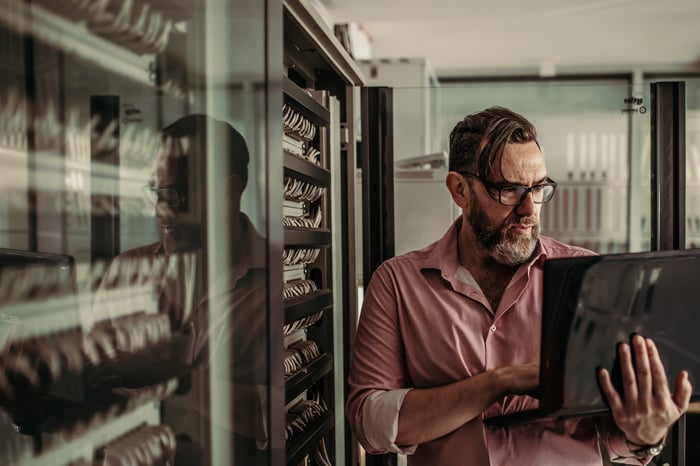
168,195
516,194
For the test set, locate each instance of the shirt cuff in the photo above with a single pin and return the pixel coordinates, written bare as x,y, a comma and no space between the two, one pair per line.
380,421
621,453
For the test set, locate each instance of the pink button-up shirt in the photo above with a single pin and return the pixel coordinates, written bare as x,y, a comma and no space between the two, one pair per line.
425,323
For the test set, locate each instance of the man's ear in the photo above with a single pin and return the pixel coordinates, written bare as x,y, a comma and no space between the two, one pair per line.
458,188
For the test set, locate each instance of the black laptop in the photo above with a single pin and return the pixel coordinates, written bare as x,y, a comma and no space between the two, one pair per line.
591,304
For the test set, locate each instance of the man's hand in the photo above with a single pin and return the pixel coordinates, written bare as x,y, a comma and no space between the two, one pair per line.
646,409
521,379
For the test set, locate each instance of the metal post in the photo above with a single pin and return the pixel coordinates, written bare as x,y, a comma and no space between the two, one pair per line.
668,198
377,194
667,165
377,178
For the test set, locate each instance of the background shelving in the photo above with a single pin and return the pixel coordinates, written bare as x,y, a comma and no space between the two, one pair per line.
302,104
315,61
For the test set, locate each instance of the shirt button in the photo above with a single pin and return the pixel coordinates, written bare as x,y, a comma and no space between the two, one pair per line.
493,328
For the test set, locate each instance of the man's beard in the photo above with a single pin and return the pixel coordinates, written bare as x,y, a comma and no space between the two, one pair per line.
179,237
499,241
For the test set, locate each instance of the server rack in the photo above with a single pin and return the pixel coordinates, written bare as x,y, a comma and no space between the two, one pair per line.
319,92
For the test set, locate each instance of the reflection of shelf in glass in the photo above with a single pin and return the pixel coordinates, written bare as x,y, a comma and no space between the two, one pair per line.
304,170
300,307
302,237
51,168
75,39
305,444
302,102
307,376
43,314
83,447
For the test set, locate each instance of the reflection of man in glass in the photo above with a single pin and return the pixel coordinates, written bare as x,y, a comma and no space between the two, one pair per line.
208,276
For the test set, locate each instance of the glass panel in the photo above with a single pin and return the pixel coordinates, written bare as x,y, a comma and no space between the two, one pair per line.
584,130
420,168
692,153
133,260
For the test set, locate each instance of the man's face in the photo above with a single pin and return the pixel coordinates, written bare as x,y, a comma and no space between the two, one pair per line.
508,233
175,206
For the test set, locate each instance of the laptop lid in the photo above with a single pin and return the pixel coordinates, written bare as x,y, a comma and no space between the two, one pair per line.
654,294
592,303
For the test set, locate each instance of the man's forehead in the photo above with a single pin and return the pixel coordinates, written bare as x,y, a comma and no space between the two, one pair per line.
520,163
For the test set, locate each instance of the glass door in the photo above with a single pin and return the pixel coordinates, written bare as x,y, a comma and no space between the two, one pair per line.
134,269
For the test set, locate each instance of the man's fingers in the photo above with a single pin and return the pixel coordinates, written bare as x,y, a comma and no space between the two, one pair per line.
683,391
629,377
611,394
642,369
658,373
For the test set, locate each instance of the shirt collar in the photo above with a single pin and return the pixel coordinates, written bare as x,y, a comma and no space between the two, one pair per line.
442,255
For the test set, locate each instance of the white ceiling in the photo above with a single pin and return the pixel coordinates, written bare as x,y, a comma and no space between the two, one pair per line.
466,37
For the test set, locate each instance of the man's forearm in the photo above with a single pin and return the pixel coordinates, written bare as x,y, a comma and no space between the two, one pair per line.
427,414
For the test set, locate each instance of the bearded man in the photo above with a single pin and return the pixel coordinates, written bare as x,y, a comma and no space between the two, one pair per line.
450,335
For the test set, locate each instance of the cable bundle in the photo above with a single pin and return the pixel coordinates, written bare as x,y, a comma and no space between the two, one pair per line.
302,323
297,125
300,256
295,189
299,355
312,221
301,416
297,288
321,457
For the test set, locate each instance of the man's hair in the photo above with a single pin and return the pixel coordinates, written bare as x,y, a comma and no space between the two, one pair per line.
229,142
477,142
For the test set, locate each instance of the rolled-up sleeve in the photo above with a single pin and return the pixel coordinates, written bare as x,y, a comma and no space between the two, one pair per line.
380,421
378,381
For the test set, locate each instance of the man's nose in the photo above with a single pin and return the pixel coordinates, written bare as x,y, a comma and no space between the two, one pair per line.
527,208
163,209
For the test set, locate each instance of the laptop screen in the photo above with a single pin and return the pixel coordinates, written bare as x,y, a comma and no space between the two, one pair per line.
591,304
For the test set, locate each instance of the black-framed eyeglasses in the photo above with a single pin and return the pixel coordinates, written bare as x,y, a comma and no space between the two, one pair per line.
168,195
511,194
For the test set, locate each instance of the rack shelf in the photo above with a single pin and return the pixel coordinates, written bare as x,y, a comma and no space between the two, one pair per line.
304,444
306,171
306,238
307,376
300,307
303,103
